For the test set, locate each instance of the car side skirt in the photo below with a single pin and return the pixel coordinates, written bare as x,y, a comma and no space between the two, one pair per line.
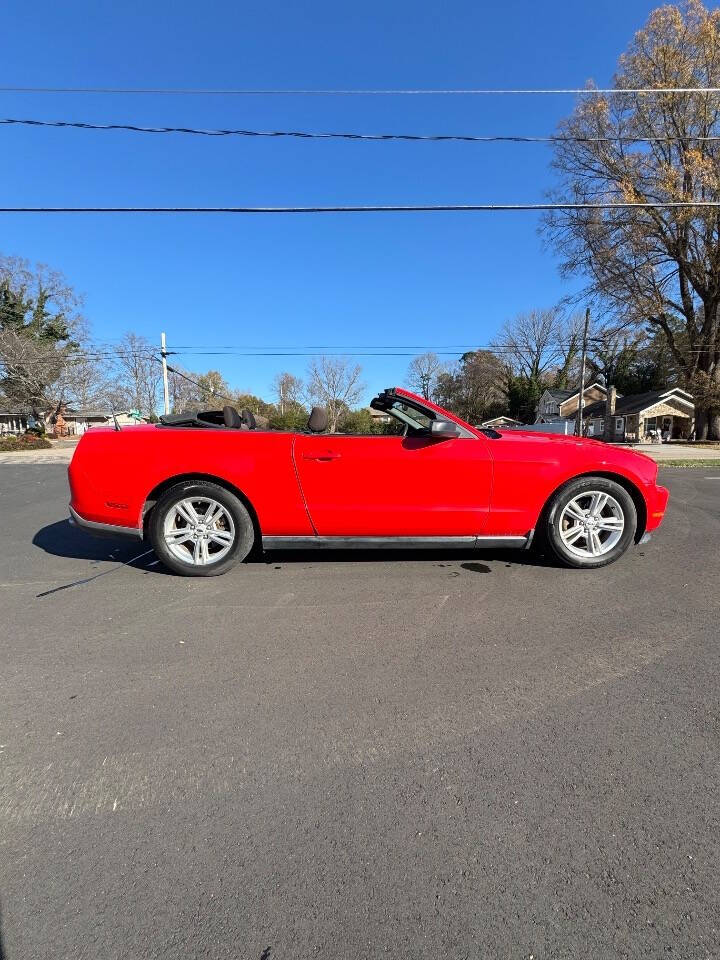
398,543
104,529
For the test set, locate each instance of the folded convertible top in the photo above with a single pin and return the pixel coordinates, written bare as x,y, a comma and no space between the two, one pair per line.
198,418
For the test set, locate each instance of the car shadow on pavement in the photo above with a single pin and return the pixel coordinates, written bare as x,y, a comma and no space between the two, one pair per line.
62,539
472,560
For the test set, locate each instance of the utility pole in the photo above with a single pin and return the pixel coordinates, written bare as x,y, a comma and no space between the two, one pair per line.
579,422
163,354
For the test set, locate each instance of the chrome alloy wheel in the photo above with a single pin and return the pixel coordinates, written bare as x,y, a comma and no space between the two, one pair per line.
198,530
591,524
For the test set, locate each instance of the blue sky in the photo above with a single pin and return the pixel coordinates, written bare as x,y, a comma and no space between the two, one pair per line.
318,281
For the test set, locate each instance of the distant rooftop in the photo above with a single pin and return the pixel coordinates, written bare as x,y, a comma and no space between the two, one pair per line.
636,402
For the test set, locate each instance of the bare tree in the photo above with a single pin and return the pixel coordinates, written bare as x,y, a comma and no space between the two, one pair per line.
335,383
423,372
610,352
196,391
289,391
569,345
46,289
532,342
539,349
29,370
184,394
139,373
41,334
653,265
84,382
475,389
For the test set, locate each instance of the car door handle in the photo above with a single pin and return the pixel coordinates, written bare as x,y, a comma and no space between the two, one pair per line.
329,455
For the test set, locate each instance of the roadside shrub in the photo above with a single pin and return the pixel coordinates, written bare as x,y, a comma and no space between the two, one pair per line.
28,441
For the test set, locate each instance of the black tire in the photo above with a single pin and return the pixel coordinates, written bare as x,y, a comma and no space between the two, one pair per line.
239,526
558,525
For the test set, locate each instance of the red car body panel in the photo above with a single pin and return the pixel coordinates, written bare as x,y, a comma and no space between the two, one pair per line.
333,485
113,473
394,486
529,467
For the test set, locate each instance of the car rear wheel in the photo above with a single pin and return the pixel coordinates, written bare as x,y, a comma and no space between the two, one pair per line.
199,529
591,522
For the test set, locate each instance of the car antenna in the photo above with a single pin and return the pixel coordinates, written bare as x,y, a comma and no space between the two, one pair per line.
115,419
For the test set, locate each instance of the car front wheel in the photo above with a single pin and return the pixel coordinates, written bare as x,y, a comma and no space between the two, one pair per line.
200,529
591,522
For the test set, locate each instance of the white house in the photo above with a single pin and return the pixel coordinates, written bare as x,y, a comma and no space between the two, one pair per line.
12,422
78,421
500,423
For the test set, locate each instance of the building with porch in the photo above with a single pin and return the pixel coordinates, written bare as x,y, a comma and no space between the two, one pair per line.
636,417
77,422
12,422
379,417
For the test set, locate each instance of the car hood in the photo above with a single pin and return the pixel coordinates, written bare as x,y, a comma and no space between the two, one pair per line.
547,437
597,450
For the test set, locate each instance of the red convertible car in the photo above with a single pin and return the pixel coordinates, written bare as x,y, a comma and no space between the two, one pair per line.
206,488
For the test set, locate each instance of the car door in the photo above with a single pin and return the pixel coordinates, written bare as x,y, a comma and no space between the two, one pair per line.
393,486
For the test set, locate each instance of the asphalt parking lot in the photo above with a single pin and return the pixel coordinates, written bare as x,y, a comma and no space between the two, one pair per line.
433,755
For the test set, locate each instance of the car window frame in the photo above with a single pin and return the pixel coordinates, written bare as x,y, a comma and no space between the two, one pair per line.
464,433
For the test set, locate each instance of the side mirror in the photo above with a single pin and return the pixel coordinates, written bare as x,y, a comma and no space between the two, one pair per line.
444,429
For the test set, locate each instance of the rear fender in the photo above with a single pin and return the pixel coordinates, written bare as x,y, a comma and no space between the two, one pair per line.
161,488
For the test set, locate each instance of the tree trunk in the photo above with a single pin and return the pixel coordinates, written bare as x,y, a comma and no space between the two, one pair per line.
706,389
701,423
707,423
714,425
713,414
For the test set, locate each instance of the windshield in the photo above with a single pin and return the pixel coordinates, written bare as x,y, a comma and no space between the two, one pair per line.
410,416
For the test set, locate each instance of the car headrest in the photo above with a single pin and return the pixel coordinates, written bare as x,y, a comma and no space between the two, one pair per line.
248,419
231,418
318,420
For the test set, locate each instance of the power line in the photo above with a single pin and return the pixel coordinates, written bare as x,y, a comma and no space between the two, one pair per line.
78,356
497,349
382,208
184,376
90,356
110,349
325,353
390,92
500,349
452,348
107,353
325,347
310,135
113,347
